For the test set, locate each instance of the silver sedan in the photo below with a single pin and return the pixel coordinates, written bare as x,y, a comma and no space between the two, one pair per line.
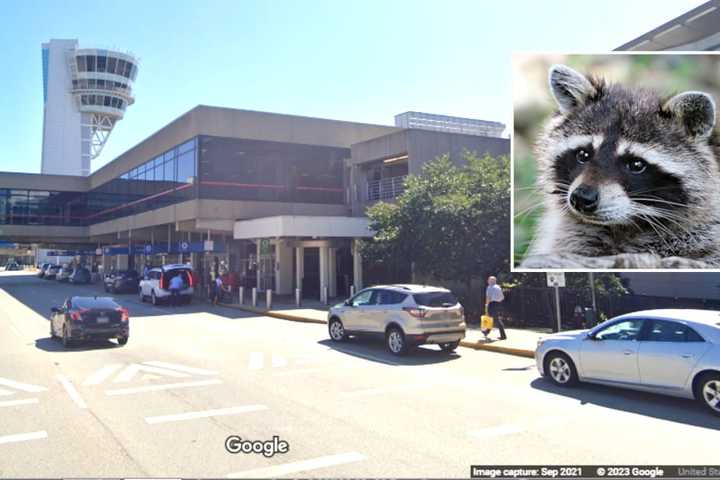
671,352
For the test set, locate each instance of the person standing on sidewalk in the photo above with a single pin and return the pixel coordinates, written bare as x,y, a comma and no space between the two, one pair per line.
493,297
218,290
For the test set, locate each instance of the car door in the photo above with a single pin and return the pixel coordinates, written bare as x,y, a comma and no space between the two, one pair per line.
352,317
611,353
668,352
375,313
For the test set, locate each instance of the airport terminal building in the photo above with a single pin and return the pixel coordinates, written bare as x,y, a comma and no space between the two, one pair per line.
277,199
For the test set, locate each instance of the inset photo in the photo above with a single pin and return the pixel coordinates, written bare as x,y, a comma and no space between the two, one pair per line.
616,161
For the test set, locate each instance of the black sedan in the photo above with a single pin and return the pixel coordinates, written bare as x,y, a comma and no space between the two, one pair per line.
85,318
13,266
122,281
51,272
80,275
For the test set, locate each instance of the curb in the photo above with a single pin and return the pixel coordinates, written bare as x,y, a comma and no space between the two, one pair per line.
274,314
520,352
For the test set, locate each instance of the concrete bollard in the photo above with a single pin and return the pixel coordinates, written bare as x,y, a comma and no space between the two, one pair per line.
241,295
324,296
298,297
268,299
254,297
352,290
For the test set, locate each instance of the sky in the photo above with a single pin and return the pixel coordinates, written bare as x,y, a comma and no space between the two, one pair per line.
357,60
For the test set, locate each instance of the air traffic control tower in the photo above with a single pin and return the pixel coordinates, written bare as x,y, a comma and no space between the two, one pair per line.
85,93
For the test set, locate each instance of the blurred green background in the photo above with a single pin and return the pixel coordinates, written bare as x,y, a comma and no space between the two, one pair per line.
533,104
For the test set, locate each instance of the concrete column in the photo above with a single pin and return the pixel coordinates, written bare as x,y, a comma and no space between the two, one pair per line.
323,270
332,272
299,266
283,268
122,262
357,267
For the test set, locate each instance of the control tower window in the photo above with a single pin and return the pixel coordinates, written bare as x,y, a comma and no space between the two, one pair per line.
120,67
81,64
101,63
111,63
90,63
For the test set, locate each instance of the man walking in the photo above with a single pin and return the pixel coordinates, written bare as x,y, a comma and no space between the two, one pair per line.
493,297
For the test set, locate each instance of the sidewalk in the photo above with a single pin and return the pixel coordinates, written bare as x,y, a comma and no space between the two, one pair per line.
520,342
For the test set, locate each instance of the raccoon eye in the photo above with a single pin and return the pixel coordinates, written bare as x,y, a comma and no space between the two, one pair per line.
636,165
582,156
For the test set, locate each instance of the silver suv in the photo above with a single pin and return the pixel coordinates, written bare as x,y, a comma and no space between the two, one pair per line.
403,315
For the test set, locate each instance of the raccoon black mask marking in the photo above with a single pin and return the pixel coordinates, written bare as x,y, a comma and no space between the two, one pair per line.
627,172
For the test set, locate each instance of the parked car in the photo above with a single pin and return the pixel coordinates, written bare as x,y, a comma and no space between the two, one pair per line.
42,268
85,318
403,315
156,284
122,281
51,272
64,273
671,352
13,266
80,275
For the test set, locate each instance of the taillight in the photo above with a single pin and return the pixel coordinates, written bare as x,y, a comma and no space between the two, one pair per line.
77,315
162,281
416,312
191,280
125,315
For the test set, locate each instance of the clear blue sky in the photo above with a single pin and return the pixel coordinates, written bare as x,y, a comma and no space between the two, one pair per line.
350,60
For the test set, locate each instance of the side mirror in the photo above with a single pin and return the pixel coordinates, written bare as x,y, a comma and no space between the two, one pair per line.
348,303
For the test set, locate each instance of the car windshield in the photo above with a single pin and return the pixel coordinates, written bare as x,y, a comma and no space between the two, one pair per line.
95,302
439,298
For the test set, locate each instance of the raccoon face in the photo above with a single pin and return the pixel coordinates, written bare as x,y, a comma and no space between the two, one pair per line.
615,157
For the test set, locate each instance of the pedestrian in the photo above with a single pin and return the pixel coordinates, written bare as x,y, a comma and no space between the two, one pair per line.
493,297
218,289
176,284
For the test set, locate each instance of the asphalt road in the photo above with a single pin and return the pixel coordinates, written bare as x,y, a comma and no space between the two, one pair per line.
164,404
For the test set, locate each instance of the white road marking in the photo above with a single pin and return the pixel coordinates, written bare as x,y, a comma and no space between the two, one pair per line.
21,437
10,403
383,390
5,392
26,387
182,368
167,386
205,414
497,431
278,361
134,368
257,359
302,466
72,391
103,374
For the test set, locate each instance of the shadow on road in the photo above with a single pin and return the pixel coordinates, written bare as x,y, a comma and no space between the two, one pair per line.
649,404
375,352
55,345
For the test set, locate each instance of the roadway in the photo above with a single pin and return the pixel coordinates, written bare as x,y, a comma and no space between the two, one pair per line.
164,404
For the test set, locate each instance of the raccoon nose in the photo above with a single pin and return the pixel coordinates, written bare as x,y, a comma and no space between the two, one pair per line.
584,198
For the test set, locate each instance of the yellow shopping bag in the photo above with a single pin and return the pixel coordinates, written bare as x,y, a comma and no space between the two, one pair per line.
486,322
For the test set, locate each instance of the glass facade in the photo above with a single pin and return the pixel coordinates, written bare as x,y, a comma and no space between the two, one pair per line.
106,64
238,169
202,167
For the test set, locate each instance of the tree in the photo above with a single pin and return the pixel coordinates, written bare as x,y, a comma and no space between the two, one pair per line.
452,223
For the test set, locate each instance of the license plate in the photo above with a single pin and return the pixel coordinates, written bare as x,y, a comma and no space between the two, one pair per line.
102,320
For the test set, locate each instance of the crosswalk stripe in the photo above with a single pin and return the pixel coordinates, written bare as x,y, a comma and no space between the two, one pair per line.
21,386
205,414
302,466
101,375
12,403
21,437
181,368
257,359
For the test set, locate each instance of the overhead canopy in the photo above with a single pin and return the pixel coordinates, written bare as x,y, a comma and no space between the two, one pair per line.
302,226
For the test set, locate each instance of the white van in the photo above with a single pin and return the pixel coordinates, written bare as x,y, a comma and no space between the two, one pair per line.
156,284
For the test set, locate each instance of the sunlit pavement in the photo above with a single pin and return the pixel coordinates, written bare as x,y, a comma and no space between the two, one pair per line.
164,404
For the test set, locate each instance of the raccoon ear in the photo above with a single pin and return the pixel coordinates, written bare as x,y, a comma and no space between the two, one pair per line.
695,110
570,88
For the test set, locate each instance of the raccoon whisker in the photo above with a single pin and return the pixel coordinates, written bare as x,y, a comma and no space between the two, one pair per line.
526,211
651,190
657,200
654,226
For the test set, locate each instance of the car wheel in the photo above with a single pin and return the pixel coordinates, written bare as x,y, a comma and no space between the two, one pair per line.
122,340
708,392
560,369
337,330
52,331
66,340
153,298
395,341
449,347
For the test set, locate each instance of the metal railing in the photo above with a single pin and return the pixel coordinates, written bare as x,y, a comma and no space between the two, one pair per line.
386,188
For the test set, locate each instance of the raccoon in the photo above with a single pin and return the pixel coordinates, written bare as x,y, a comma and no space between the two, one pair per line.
630,178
